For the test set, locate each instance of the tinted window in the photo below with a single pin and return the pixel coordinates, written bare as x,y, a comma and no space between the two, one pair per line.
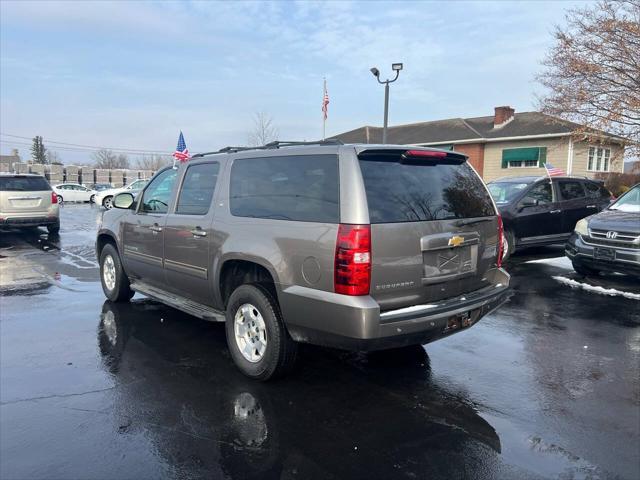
157,195
303,188
542,193
23,184
197,189
571,190
402,192
595,190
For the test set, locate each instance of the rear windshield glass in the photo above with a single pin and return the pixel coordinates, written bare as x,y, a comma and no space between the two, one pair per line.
23,184
303,188
399,192
505,192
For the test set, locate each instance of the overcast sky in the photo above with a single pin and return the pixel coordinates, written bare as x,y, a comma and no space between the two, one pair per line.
132,74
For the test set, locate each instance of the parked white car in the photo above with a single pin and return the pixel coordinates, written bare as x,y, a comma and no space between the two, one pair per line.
105,197
73,192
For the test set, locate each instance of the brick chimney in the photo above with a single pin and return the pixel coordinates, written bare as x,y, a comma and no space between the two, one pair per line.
502,115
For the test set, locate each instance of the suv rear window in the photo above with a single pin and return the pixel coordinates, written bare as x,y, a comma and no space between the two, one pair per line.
402,192
23,184
304,188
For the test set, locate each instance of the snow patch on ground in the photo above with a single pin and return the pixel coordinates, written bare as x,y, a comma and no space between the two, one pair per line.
561,262
592,288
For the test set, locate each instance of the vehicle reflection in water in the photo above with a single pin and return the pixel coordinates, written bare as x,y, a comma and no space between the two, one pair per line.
20,272
338,415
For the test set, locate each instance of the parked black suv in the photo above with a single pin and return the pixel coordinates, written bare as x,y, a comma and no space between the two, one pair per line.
543,211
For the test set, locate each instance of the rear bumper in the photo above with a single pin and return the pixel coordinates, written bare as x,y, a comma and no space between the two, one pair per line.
627,260
355,323
24,221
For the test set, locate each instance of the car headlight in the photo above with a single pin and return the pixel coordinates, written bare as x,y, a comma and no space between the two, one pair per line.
582,227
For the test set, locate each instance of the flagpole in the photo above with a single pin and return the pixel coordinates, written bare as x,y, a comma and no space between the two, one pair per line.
324,115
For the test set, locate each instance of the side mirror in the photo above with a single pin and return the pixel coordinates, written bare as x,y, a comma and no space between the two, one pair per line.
123,200
529,202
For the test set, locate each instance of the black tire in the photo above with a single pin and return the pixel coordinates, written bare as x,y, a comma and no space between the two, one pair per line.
107,202
121,290
54,229
280,353
509,247
92,198
60,199
584,270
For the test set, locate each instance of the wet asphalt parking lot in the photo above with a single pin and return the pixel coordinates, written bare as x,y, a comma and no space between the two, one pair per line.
546,387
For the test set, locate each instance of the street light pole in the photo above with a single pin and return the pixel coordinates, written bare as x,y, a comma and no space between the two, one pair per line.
386,111
376,73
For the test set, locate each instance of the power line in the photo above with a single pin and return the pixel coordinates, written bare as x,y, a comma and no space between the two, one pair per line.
82,147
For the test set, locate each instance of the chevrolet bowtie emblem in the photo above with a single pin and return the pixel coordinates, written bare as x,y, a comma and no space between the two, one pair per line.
456,241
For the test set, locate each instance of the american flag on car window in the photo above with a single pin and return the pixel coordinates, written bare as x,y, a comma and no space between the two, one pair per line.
553,171
182,152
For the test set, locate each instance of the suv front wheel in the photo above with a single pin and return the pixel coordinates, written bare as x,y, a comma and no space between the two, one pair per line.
258,340
115,282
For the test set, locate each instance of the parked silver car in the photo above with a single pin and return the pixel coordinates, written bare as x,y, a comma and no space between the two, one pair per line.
104,198
362,247
28,201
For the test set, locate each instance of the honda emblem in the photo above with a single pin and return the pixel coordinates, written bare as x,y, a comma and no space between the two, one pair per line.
612,235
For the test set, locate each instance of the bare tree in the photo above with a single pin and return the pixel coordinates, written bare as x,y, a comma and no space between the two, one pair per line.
110,160
53,157
153,162
592,73
264,131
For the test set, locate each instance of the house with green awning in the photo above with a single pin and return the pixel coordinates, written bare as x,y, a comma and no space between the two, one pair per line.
509,143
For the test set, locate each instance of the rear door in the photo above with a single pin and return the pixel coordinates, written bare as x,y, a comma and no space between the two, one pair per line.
598,197
573,203
188,233
433,227
24,194
143,230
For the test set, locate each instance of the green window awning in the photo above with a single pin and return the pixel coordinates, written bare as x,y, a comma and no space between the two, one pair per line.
538,154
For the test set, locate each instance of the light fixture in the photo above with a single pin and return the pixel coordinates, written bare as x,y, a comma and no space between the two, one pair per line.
396,66
375,71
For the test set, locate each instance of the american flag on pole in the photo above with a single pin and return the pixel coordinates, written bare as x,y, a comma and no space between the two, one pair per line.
182,152
553,171
325,101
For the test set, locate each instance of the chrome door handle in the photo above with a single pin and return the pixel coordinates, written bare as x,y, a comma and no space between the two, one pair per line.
592,206
155,228
198,232
555,211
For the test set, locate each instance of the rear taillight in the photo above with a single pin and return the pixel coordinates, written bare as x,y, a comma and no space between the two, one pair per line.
500,241
353,260
54,197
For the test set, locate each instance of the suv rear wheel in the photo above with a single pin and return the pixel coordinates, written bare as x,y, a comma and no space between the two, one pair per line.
54,229
257,338
115,283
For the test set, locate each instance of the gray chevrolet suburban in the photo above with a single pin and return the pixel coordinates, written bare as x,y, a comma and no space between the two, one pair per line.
361,247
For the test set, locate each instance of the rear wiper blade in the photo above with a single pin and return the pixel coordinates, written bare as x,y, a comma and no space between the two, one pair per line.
471,221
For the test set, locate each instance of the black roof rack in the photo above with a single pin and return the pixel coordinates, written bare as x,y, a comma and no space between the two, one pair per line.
271,145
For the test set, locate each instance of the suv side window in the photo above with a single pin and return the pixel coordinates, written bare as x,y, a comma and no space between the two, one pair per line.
304,188
197,189
156,196
595,190
542,193
571,190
